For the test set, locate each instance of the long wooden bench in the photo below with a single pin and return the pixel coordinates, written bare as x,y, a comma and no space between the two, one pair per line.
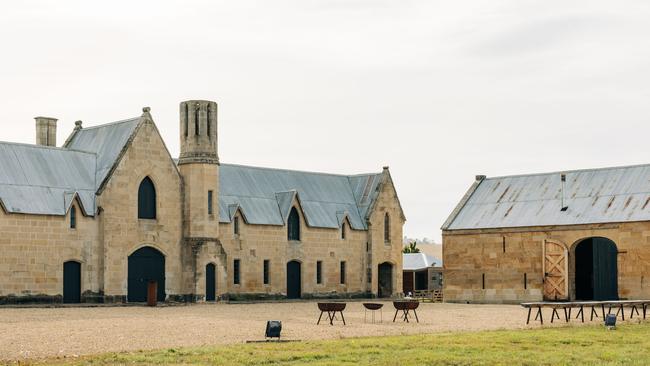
596,307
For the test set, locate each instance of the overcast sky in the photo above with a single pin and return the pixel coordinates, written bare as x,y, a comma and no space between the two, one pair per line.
438,90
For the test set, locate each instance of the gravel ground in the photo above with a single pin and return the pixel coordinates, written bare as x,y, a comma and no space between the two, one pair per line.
32,333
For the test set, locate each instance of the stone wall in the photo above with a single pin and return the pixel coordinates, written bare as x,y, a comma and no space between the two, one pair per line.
123,233
34,248
470,254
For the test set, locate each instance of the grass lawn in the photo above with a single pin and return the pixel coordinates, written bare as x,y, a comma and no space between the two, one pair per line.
586,345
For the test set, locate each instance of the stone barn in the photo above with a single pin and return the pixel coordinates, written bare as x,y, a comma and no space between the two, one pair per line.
574,235
111,211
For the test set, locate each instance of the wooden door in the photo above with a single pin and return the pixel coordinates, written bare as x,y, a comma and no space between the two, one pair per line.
555,271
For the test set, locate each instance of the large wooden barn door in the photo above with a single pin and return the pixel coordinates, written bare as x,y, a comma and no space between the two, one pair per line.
555,271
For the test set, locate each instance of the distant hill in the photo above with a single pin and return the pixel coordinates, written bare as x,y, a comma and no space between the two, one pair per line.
431,249
426,246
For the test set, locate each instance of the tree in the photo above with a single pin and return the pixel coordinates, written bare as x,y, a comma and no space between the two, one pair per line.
411,248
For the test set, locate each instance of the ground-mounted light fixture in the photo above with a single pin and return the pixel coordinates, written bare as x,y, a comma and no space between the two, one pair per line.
273,329
610,321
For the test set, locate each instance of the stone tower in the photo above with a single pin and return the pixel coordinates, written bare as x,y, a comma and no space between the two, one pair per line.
199,166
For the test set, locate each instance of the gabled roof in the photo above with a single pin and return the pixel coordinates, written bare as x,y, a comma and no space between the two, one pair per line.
265,195
107,141
418,261
618,194
45,180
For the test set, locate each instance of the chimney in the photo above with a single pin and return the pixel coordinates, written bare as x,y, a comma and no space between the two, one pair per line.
45,131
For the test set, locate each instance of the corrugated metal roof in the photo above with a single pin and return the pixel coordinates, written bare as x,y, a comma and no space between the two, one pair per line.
618,194
264,195
418,261
107,141
43,180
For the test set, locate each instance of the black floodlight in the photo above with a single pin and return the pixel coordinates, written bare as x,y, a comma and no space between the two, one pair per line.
273,329
610,321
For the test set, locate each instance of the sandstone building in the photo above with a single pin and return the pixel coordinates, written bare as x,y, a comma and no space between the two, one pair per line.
581,234
100,217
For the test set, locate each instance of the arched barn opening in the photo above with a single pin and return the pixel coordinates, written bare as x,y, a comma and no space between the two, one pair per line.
71,282
145,264
385,276
294,283
596,271
210,282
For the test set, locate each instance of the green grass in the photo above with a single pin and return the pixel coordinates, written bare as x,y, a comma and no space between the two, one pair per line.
588,345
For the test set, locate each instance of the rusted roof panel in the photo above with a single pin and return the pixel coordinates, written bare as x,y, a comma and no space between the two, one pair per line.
618,194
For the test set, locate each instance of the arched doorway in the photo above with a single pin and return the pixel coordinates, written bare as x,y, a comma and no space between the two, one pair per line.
210,283
71,282
385,275
596,269
145,264
294,284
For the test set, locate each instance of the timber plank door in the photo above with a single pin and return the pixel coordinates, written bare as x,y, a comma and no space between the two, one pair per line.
555,267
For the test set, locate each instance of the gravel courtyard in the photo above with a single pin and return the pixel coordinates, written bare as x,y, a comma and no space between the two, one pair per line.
30,333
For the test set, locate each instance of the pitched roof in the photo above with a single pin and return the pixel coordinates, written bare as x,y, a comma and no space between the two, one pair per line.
107,141
44,180
418,261
264,195
618,194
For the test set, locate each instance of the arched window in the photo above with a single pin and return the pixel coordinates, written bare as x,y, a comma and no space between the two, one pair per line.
387,228
293,225
343,231
146,199
73,218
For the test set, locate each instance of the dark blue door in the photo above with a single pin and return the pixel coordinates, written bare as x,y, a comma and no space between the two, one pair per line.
210,283
71,282
294,283
145,264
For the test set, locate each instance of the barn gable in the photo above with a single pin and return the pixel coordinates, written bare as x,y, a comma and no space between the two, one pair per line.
607,195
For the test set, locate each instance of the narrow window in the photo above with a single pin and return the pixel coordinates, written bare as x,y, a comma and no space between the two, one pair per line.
235,277
235,225
293,225
209,202
525,281
147,199
208,119
73,218
483,281
367,246
196,120
343,231
342,272
386,228
504,244
319,272
266,271
187,119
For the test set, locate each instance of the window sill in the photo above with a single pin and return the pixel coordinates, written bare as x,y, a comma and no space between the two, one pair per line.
147,220
295,242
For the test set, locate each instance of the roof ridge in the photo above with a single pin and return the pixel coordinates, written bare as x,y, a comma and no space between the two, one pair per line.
43,147
570,171
111,123
296,170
